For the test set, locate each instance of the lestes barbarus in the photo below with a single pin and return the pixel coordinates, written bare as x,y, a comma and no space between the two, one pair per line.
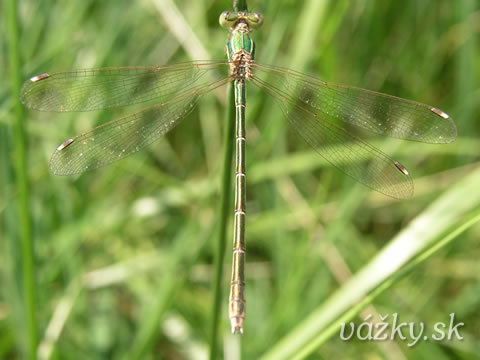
320,112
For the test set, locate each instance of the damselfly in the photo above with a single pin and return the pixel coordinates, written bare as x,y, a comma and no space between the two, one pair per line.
324,114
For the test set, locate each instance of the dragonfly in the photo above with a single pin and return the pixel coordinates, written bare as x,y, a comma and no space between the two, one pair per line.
326,115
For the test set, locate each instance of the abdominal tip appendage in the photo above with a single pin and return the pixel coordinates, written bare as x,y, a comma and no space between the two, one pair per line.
237,325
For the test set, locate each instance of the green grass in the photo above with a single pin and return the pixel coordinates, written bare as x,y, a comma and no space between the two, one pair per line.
20,184
124,256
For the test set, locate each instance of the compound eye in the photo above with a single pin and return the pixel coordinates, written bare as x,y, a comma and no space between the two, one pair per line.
255,20
228,19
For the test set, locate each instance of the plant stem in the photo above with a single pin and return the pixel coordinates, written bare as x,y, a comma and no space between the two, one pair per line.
240,5
224,206
223,212
21,179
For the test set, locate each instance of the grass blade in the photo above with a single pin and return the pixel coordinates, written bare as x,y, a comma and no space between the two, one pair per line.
426,234
22,182
223,213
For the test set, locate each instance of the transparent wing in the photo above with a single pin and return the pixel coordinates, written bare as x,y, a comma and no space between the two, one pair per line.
369,110
348,153
122,137
103,88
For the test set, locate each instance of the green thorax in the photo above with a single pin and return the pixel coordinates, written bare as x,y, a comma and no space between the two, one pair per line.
239,41
240,45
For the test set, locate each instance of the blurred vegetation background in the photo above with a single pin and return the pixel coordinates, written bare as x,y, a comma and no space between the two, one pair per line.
123,255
